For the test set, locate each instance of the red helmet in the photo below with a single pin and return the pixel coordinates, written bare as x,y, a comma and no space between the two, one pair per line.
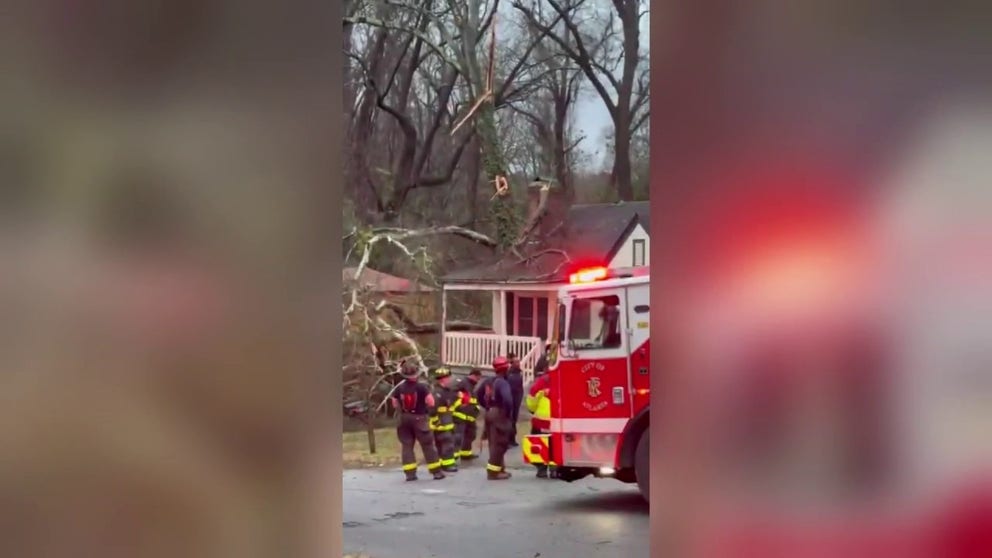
500,363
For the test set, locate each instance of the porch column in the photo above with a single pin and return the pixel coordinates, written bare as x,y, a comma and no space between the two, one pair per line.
497,316
502,320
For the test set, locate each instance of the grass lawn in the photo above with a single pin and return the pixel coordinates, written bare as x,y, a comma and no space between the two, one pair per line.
355,449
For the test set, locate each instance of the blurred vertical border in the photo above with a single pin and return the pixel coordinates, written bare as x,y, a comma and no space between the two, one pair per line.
832,395
170,278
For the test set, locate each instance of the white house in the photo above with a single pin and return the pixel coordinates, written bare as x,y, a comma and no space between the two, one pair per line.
523,293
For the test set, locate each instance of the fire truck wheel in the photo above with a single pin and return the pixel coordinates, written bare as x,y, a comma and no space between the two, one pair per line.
642,463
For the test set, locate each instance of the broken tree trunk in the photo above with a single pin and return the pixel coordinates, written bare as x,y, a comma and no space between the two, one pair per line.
502,209
370,428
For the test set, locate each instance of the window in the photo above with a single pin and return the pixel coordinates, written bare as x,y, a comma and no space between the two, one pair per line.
530,314
595,323
525,315
639,252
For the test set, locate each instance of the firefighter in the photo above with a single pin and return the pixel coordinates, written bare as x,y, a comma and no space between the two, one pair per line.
515,377
465,411
441,421
539,405
498,402
414,399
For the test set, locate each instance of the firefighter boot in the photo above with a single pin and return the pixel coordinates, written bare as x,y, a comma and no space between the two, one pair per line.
411,476
438,475
497,475
542,471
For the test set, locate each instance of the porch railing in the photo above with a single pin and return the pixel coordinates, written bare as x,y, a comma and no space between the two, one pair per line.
477,350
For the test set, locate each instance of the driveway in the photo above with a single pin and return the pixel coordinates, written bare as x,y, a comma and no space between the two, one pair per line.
465,516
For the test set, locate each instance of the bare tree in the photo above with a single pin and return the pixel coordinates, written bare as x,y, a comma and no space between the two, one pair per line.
612,60
434,74
548,110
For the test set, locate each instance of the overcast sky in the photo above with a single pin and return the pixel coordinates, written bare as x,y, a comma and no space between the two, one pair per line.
593,122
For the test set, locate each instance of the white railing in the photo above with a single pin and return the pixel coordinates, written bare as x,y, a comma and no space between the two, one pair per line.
477,350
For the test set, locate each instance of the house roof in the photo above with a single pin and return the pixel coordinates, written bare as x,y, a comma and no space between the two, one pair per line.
591,233
380,282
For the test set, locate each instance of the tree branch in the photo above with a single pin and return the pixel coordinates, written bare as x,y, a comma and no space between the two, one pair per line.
581,56
449,174
537,255
358,20
640,121
414,328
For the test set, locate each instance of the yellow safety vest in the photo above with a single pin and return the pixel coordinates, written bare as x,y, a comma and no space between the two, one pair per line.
539,405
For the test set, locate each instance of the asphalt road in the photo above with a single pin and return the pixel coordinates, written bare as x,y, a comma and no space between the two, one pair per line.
465,516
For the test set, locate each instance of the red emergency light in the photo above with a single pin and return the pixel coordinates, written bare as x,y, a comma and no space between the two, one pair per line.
589,275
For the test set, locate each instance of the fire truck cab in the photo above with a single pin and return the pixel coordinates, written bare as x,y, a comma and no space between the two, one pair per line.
599,372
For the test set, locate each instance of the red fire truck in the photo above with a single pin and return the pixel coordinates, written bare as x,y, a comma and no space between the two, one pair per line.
600,376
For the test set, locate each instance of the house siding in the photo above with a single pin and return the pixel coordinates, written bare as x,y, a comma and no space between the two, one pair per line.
625,255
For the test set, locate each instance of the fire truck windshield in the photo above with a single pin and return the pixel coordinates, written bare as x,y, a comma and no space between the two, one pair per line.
595,322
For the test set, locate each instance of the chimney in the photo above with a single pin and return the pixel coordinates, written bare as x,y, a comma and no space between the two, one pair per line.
542,190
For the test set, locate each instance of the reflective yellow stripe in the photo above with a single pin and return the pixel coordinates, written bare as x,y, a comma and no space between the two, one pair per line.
410,467
493,468
442,409
551,464
434,466
445,427
473,401
463,416
447,462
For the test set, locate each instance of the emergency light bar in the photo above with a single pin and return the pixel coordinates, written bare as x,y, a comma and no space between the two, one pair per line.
593,274
588,275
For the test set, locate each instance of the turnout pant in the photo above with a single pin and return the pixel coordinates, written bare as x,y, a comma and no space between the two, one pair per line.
499,430
414,429
465,433
444,440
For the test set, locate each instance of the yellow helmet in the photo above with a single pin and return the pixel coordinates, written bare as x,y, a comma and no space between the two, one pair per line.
441,372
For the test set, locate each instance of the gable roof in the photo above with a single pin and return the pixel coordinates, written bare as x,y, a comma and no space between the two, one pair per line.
591,233
380,282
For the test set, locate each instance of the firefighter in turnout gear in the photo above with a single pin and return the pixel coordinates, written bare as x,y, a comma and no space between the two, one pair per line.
414,400
539,404
498,401
465,412
442,422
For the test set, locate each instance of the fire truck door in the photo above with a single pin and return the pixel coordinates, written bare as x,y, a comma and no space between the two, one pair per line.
595,384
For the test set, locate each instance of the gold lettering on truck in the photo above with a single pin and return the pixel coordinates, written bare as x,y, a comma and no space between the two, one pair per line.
594,390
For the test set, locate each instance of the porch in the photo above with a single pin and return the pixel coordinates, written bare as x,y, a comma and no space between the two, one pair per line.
521,321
